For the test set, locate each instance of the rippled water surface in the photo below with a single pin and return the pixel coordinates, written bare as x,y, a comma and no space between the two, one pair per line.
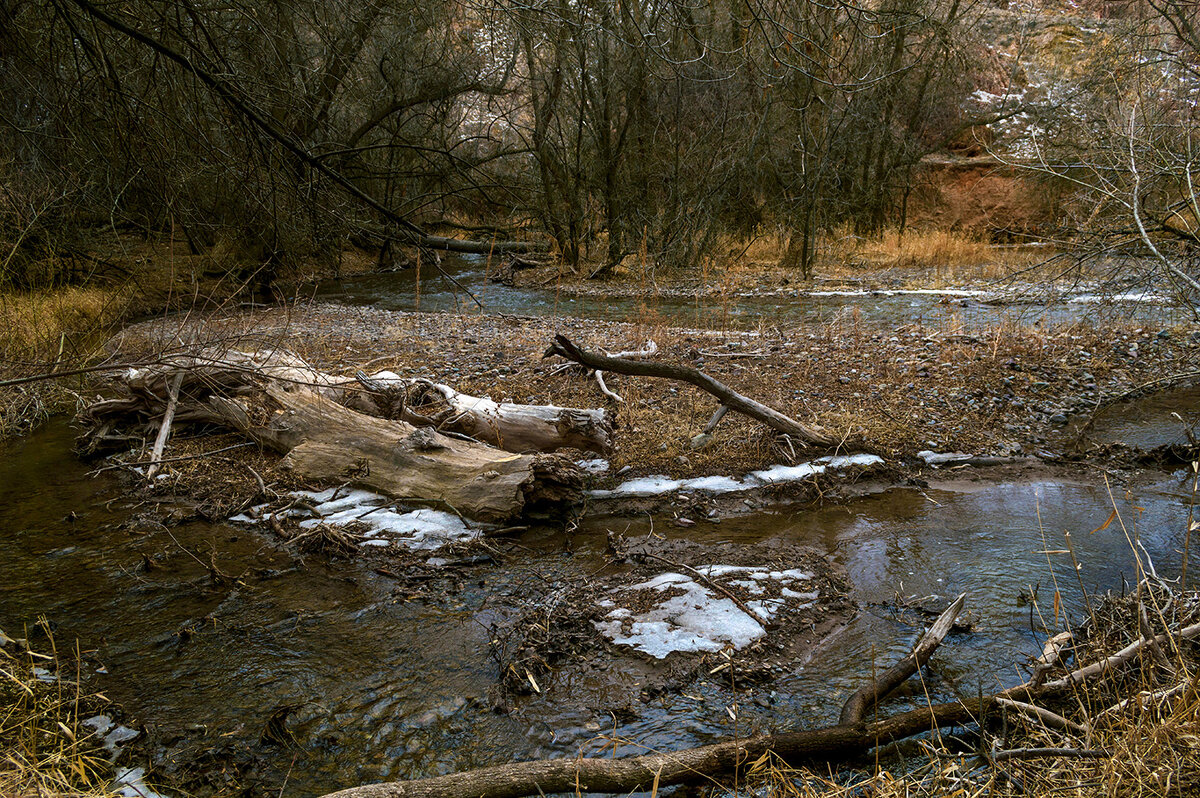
388,685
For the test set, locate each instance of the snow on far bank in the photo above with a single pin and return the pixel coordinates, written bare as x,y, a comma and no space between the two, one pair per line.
377,519
656,485
694,618
1131,296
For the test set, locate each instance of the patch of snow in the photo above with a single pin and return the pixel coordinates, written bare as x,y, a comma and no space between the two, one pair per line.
658,484
781,473
378,519
697,619
131,783
845,461
1130,296
713,484
594,466
646,486
98,723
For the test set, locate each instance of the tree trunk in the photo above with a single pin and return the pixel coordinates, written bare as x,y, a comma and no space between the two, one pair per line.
327,442
512,427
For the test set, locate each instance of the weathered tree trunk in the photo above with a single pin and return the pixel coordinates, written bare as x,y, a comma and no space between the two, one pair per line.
324,441
512,427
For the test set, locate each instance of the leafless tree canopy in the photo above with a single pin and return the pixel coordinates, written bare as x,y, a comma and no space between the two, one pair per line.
661,128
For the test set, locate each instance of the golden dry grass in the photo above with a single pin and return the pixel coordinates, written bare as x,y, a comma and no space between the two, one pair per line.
45,751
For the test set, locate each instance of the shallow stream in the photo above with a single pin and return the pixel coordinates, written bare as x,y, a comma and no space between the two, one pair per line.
430,291
389,685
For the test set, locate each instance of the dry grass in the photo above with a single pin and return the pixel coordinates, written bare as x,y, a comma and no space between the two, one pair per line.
46,749
1143,720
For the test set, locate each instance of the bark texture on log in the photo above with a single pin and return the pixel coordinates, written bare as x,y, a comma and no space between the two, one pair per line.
286,405
863,701
804,433
324,441
512,427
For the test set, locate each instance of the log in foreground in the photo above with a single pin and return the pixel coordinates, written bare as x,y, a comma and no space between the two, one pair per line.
512,427
635,774
868,698
804,433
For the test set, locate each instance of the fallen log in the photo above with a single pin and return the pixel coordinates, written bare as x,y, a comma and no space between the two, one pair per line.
285,405
804,433
481,247
517,428
326,442
869,697
512,427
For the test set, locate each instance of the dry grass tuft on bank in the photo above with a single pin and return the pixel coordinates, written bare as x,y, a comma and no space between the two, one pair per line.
1133,732
45,750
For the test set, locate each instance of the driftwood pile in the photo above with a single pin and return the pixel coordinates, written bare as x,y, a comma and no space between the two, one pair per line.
408,438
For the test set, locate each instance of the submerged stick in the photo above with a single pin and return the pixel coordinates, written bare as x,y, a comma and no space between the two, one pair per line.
857,706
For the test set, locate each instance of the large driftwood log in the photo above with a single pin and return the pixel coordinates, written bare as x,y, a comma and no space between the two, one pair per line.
324,441
512,427
804,433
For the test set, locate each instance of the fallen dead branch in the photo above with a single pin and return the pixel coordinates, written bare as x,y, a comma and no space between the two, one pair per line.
804,433
857,706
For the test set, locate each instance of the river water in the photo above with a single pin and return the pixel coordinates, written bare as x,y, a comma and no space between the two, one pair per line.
391,685
430,291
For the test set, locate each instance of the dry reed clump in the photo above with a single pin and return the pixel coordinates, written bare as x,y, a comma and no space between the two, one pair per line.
46,750
46,331
1133,732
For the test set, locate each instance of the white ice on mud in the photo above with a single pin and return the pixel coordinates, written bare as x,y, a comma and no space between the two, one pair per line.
378,521
698,619
657,485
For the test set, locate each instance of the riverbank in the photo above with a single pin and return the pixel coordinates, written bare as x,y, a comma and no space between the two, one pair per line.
1002,392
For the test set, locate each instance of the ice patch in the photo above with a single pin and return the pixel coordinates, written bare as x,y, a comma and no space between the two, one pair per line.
131,783
1131,296
846,460
697,619
780,473
98,723
658,484
714,484
594,466
378,519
